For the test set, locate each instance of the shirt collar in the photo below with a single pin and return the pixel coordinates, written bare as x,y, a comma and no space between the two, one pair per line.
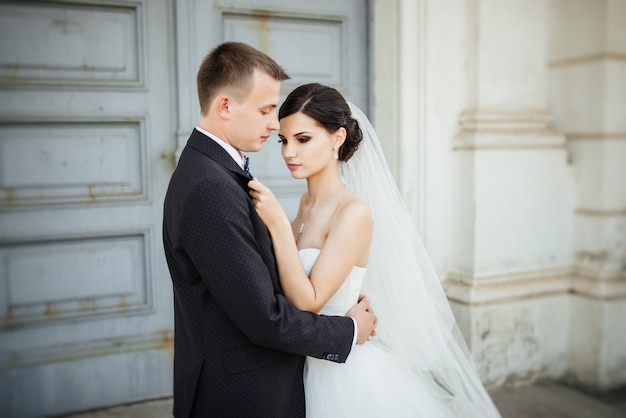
235,154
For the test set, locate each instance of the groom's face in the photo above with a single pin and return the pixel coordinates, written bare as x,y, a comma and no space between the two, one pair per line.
254,118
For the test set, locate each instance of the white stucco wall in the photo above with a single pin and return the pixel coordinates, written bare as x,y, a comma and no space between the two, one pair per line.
480,121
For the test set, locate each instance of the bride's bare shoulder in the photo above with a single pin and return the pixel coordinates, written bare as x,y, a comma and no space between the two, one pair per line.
352,207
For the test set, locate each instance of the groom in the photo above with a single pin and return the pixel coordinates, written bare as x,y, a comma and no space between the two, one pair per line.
239,344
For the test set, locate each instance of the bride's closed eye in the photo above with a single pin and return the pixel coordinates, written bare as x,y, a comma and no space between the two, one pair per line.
301,139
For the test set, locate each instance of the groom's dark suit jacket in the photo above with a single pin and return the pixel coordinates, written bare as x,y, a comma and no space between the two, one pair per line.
239,344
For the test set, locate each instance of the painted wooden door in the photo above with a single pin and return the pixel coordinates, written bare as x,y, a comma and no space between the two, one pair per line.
85,116
96,97
323,41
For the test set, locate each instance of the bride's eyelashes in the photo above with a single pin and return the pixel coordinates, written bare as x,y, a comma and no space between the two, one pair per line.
302,140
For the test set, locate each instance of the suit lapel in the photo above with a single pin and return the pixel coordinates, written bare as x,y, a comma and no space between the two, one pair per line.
214,151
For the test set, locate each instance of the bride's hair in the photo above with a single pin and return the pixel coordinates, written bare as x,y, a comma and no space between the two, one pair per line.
329,109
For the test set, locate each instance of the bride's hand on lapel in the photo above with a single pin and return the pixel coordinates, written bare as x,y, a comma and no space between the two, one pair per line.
267,206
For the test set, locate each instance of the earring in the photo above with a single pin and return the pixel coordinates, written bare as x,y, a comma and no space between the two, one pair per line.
335,155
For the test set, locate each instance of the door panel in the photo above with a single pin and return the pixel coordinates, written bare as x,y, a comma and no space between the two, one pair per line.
85,116
88,129
322,41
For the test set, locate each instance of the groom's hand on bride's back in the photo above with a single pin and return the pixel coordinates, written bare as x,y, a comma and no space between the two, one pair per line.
365,318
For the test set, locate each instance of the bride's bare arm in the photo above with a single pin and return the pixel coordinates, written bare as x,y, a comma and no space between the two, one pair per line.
348,233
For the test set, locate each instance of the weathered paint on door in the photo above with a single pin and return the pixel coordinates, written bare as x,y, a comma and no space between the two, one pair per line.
85,116
95,99
323,41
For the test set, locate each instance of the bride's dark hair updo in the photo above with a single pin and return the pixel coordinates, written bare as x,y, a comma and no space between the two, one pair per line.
329,109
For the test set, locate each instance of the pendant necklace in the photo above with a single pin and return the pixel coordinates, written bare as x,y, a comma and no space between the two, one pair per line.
319,207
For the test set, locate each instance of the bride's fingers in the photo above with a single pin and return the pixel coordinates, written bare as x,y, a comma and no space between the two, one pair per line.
253,194
256,185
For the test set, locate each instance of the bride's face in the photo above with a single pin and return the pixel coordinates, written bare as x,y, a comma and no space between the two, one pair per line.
307,147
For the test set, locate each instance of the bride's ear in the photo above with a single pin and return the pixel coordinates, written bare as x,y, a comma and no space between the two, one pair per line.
340,137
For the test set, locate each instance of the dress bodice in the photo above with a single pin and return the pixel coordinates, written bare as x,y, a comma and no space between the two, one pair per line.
347,295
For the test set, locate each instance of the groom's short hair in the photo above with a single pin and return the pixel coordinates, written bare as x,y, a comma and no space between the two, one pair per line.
231,65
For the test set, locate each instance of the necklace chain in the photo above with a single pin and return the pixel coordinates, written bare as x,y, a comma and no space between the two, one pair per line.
319,207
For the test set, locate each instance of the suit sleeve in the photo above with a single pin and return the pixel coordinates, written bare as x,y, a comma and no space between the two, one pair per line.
220,240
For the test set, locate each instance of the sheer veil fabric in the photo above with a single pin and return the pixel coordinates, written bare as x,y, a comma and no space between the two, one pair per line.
415,320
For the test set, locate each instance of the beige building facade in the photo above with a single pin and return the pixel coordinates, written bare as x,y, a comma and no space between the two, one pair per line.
509,119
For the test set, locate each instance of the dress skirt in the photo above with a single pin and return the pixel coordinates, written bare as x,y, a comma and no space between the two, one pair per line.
372,383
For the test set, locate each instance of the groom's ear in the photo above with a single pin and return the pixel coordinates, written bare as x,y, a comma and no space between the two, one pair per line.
222,106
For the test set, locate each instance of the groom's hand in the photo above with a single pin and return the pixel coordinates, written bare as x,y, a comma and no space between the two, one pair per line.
365,318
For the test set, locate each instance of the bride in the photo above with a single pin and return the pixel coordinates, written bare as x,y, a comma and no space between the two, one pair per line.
352,235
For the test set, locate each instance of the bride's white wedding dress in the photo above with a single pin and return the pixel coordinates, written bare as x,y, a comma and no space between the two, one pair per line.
418,364
372,382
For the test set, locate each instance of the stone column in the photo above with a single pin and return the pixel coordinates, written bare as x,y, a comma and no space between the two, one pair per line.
588,95
399,91
512,199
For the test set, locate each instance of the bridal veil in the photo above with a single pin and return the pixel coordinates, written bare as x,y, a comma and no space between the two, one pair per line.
415,320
